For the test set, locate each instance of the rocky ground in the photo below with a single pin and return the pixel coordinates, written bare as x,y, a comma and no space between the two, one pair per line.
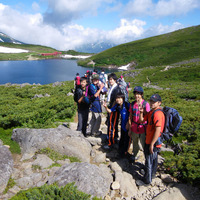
101,173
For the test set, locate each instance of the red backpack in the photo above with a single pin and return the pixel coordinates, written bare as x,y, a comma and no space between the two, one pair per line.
78,80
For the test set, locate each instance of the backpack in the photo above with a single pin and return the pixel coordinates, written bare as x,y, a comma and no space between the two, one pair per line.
78,80
172,122
123,88
102,78
76,95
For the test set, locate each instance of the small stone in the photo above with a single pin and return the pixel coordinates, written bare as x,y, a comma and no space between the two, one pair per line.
115,167
43,161
100,158
63,162
167,178
107,197
15,189
115,185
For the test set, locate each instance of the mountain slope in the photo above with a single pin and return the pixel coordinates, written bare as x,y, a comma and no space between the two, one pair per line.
164,49
8,39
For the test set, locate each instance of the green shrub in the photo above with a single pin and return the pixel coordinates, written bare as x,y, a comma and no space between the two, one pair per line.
53,192
55,156
10,184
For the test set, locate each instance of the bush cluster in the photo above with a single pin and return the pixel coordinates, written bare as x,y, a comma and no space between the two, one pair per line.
53,192
18,108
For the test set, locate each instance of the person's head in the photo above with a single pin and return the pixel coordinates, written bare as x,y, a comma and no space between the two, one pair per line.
83,82
95,79
120,98
155,101
112,78
138,93
102,70
77,74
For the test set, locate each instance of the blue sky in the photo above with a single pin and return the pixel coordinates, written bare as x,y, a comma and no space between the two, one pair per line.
67,24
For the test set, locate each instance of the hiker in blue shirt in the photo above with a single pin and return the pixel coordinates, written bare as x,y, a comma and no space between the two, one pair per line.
94,92
122,108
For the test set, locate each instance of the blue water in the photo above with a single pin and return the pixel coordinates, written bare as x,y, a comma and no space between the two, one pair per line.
39,71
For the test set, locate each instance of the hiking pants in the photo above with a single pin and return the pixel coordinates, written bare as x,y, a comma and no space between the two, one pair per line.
112,130
95,123
124,143
136,139
82,120
151,163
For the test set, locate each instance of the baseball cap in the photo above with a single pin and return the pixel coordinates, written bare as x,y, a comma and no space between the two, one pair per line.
138,89
155,97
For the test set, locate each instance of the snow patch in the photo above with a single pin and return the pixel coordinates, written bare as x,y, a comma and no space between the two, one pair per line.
125,67
78,56
12,50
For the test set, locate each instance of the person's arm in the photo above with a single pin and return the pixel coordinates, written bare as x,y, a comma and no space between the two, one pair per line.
106,107
155,138
81,98
141,116
129,124
98,92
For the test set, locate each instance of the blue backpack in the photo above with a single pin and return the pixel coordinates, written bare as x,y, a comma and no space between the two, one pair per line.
172,122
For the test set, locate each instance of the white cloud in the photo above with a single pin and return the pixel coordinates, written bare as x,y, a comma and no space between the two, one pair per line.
127,31
30,28
62,12
138,7
162,29
161,8
35,6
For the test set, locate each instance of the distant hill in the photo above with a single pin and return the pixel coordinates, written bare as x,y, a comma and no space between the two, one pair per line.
8,39
164,49
95,47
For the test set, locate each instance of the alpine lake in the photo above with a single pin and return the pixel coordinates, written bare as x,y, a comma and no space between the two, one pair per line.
41,71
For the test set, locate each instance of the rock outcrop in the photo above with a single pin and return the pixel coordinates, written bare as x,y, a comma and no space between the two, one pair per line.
87,177
61,139
6,166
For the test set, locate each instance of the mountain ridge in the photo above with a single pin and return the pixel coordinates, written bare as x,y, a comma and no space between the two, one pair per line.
164,49
7,39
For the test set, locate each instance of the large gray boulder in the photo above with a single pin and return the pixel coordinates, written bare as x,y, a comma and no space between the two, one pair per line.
6,166
88,178
61,139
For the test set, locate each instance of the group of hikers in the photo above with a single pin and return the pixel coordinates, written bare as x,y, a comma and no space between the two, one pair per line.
141,122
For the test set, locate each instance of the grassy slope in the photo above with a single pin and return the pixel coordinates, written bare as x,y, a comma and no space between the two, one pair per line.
35,50
164,49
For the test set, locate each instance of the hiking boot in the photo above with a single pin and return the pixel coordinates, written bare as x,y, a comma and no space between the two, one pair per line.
106,147
131,159
97,134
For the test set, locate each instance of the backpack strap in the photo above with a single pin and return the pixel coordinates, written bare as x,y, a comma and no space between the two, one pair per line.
152,115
